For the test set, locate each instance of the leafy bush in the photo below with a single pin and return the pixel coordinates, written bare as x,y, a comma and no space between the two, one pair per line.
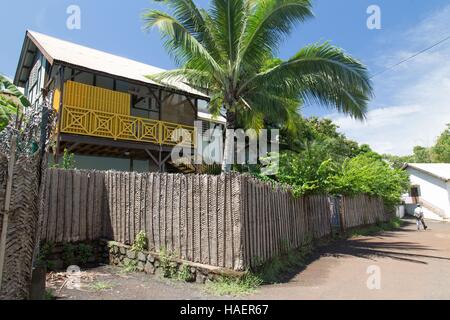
76,254
129,266
140,242
368,173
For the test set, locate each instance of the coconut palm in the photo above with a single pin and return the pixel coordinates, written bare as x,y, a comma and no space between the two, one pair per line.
229,50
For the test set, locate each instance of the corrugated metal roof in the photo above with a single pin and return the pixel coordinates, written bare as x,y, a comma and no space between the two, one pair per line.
440,170
97,60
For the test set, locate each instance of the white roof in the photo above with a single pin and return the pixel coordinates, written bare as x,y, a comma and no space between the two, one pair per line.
97,60
209,117
439,170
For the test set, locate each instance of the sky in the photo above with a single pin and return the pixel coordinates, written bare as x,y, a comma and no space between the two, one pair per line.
412,101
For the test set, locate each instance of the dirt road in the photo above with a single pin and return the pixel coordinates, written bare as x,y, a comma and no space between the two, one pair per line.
410,265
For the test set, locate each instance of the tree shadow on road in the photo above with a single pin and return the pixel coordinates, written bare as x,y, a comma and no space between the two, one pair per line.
372,247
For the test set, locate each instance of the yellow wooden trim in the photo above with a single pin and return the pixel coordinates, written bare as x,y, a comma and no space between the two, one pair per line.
56,99
88,122
95,98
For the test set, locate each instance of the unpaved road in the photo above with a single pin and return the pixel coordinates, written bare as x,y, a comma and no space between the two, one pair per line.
412,265
110,283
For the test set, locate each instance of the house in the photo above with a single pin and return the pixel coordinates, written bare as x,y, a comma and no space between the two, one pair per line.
430,186
109,114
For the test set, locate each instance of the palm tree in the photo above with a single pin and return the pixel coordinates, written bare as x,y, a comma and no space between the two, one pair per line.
229,51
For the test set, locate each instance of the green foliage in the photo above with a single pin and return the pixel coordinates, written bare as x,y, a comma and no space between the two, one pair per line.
45,250
167,265
229,49
441,150
369,174
129,266
391,225
101,286
76,254
234,286
68,161
8,109
8,88
49,295
140,242
290,261
184,274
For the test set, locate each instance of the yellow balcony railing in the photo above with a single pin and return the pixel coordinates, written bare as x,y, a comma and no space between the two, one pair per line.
102,124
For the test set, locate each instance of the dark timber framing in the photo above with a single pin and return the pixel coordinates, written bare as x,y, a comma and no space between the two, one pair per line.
94,145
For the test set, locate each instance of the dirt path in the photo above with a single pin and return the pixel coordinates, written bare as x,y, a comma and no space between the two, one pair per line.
412,265
110,283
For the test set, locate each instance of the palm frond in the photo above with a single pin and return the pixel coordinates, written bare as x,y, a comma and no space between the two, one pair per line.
323,73
180,42
267,26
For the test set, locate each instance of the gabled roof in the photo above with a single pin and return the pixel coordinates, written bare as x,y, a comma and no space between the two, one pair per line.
57,50
438,170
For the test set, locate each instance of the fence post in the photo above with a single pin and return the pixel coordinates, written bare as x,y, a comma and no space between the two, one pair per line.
342,213
12,160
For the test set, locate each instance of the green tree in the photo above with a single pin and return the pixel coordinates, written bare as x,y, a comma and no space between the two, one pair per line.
368,173
7,110
229,50
441,150
11,101
421,154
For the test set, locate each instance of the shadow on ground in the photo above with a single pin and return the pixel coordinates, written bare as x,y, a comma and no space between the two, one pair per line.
371,249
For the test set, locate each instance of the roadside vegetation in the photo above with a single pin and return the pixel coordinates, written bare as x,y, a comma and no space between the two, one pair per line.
101,286
391,225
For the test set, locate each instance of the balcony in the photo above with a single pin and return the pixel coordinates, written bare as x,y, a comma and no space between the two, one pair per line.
95,123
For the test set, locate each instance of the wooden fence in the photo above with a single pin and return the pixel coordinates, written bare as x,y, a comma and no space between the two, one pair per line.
274,221
231,221
22,224
361,210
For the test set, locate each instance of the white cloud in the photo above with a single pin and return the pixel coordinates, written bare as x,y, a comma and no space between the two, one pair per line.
415,97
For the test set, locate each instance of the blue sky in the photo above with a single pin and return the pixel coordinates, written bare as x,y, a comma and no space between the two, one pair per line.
412,103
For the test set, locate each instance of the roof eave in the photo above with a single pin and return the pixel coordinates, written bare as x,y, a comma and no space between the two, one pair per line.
427,172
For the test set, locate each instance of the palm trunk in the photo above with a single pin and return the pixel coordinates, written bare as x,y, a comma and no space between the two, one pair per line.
228,152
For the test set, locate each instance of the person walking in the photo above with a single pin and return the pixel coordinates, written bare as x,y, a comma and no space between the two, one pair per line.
418,214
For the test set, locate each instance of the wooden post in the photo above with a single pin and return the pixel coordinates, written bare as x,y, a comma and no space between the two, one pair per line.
60,112
12,160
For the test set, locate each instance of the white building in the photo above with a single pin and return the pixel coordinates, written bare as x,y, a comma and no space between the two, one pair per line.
430,186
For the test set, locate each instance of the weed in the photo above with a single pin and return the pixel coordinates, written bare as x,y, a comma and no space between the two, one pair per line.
76,254
48,295
391,225
184,274
234,287
129,266
169,268
101,286
84,252
45,251
69,254
140,242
